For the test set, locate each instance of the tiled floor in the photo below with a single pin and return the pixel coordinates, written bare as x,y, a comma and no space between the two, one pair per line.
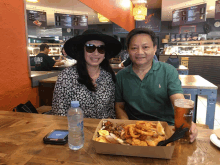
201,110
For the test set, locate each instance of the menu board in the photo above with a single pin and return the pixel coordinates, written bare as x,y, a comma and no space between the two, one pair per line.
190,15
80,22
118,29
63,20
187,29
36,18
152,20
217,10
71,21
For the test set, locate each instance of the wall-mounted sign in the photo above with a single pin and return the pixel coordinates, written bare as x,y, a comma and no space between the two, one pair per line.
152,20
217,10
190,15
80,22
71,21
63,20
118,29
187,29
36,18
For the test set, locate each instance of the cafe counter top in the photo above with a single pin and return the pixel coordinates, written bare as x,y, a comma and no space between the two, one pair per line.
21,142
36,76
205,66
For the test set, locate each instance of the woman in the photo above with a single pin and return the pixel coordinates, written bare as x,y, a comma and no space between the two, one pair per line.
155,85
91,81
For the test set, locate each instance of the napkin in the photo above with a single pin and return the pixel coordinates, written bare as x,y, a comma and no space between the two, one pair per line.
217,132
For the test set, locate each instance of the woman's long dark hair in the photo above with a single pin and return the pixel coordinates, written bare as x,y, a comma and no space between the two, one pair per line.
84,77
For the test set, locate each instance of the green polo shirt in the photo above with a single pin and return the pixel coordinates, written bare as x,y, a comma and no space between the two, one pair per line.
148,99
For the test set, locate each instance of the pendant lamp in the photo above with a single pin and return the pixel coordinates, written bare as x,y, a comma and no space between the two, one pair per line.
139,12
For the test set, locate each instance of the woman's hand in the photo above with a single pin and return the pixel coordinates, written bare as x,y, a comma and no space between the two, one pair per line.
194,132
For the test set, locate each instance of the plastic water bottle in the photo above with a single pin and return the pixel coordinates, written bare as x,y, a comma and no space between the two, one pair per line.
75,124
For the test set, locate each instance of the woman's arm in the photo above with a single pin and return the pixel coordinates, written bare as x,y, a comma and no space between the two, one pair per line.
120,110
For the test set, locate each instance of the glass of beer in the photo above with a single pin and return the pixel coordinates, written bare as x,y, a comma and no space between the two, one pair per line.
183,112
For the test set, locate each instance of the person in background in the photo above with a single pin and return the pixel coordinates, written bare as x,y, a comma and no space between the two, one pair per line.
43,62
146,90
91,81
124,55
64,56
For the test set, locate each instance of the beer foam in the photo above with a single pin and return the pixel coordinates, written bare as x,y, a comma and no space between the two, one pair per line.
183,104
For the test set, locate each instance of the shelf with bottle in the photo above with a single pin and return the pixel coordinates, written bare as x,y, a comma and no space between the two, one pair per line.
55,49
207,48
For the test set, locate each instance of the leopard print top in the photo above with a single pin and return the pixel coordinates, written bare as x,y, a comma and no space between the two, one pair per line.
99,104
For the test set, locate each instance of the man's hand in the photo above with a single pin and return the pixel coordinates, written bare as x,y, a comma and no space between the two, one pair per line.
121,65
194,132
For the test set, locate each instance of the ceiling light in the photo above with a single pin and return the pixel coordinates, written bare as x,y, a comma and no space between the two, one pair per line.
139,12
211,7
33,1
125,3
102,18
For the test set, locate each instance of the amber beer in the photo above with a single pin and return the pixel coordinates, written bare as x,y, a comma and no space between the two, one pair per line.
183,111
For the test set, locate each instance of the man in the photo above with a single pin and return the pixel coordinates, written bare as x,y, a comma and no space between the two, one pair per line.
146,90
43,62
127,62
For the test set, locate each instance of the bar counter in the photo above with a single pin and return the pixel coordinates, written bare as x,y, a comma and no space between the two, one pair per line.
36,76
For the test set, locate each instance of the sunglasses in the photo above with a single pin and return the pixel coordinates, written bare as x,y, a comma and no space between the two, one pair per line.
90,48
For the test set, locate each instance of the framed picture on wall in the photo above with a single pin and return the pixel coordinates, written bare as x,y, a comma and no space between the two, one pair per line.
187,29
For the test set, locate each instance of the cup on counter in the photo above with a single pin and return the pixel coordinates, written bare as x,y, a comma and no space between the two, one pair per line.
183,113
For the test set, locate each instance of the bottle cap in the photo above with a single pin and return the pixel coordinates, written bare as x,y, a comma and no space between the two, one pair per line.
74,104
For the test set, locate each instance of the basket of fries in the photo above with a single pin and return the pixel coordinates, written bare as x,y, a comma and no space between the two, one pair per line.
133,138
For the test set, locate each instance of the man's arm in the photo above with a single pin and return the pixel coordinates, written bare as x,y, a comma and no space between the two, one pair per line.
120,110
176,96
58,63
193,129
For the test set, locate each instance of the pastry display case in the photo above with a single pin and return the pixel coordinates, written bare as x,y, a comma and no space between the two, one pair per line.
207,48
55,49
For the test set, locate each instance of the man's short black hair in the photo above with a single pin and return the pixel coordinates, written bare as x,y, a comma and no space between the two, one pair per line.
43,46
141,31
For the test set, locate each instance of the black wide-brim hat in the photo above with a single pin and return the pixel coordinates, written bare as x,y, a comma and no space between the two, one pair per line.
113,46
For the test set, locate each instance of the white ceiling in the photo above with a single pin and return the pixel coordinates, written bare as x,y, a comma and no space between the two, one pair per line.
77,7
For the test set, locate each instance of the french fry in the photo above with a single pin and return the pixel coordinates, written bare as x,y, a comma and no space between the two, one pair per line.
142,133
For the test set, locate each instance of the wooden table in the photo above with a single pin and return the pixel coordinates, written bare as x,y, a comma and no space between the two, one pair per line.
194,85
21,142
